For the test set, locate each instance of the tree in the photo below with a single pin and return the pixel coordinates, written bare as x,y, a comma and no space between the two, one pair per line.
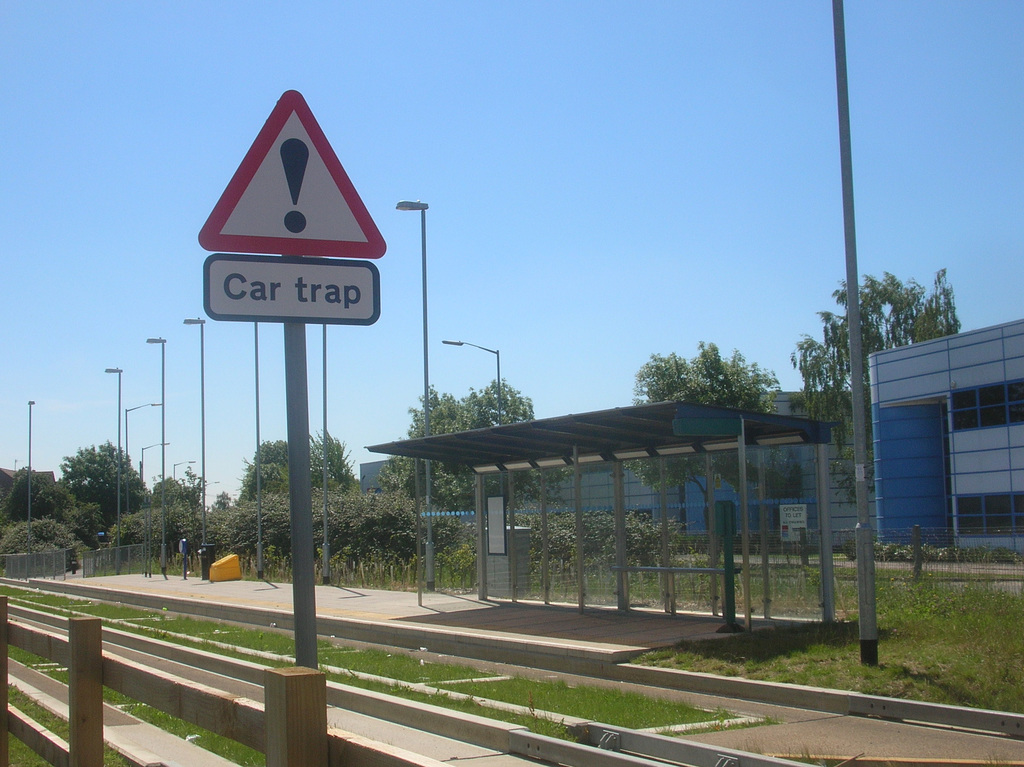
452,483
707,379
339,467
91,477
893,314
50,499
274,467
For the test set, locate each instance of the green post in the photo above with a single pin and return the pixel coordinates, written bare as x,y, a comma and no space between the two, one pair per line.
725,527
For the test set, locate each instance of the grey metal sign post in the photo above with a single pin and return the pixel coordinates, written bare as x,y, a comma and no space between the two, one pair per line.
291,196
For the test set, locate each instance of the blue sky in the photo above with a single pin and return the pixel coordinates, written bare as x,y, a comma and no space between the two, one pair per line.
606,180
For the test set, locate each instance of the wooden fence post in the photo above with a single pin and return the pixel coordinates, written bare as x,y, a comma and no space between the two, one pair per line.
295,711
4,739
85,692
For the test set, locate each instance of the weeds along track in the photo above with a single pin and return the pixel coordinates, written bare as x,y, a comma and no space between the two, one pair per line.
410,690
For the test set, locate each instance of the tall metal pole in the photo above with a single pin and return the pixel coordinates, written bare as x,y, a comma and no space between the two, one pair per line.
497,357
259,483
117,558
127,495
202,408
149,514
422,208
28,549
865,537
163,449
300,494
326,568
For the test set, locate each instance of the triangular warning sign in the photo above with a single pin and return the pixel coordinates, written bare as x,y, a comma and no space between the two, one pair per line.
291,196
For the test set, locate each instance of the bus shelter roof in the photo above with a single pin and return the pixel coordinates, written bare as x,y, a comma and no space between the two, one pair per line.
637,431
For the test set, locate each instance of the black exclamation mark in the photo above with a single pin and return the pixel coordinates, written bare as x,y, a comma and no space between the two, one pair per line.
294,155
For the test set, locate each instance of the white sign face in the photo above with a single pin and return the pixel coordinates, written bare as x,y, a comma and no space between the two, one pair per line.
496,525
247,288
792,519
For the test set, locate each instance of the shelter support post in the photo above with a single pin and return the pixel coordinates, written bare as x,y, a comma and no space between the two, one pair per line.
481,540
668,580
766,587
828,596
745,517
578,498
513,540
619,510
714,541
545,559
419,532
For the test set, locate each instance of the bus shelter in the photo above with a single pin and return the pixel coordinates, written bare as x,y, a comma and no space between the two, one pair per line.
656,434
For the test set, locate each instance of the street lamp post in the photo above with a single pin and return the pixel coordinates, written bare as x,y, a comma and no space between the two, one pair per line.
128,495
149,512
117,556
163,449
422,208
174,469
866,598
202,407
28,548
497,357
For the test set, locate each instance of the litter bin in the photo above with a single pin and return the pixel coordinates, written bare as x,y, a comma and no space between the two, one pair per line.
206,558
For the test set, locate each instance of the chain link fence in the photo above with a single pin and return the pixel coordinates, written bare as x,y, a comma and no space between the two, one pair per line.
51,564
116,560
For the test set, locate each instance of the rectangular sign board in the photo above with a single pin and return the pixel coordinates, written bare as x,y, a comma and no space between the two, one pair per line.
246,288
792,519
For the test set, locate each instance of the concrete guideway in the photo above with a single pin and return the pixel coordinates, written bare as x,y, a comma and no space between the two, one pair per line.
811,721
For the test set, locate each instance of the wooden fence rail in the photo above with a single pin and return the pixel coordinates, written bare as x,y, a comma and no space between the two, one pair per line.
290,727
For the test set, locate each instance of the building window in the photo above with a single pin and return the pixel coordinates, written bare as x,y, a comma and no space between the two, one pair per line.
991,405
999,513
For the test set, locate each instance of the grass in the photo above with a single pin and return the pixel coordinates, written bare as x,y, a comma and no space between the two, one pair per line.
954,646
609,706
627,709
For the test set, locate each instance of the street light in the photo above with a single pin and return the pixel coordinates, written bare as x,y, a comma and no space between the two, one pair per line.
174,469
497,356
128,495
163,448
117,557
202,406
422,208
28,550
149,513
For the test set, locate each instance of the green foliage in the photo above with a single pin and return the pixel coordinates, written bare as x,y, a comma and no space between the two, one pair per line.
49,498
643,538
707,379
452,483
379,527
938,643
91,477
273,461
904,552
47,533
893,314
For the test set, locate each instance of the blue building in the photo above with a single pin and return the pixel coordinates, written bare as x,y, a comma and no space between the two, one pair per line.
948,418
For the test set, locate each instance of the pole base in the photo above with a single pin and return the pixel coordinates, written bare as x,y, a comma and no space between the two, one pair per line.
869,652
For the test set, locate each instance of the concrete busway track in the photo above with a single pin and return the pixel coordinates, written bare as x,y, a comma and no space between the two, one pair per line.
434,732
811,721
